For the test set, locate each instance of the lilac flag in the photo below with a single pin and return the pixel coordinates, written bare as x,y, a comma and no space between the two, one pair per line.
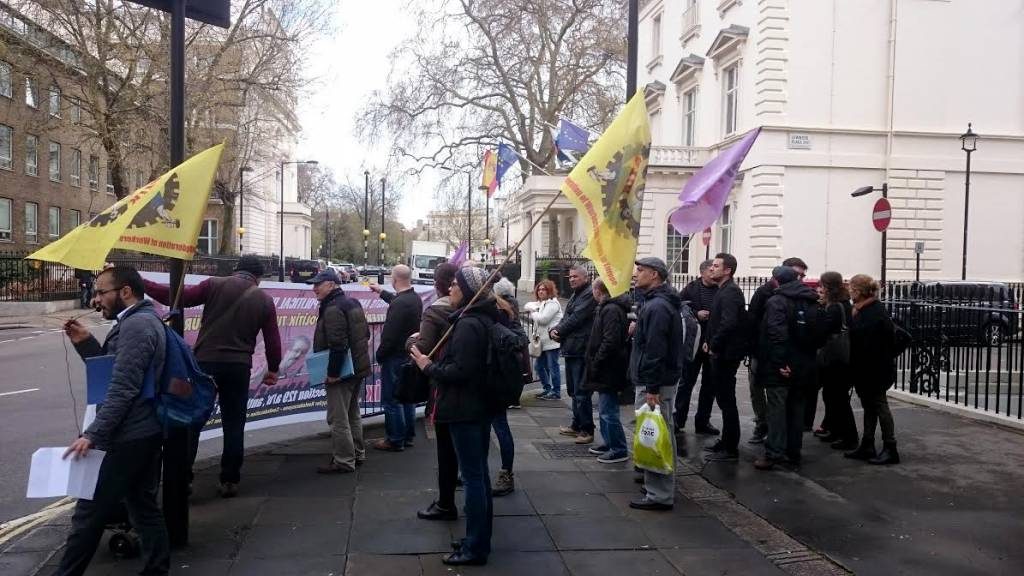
706,192
460,255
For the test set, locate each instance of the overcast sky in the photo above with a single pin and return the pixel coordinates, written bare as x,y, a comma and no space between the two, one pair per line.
347,68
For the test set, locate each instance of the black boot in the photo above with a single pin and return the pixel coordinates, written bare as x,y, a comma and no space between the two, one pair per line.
866,451
889,455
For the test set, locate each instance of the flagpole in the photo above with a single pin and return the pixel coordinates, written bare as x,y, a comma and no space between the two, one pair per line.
680,254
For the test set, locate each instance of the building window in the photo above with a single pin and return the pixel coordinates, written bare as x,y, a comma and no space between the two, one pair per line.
54,222
725,230
656,36
110,181
55,102
6,134
689,116
731,87
76,110
54,162
75,176
138,178
677,250
5,219
6,81
30,93
656,126
76,219
31,155
94,172
208,237
31,222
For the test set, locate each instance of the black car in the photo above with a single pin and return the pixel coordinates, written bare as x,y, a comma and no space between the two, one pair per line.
958,311
302,270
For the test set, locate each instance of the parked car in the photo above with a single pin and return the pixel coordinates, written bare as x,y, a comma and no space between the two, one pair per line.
370,270
350,271
302,270
959,311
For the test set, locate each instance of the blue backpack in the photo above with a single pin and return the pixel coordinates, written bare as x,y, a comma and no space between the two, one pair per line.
184,394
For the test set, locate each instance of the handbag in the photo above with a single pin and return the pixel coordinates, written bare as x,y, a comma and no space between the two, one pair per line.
534,346
836,352
413,385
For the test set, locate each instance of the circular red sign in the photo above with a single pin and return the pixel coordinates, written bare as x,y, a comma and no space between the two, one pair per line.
705,236
881,214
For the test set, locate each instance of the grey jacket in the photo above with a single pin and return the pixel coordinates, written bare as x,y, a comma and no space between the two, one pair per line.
137,342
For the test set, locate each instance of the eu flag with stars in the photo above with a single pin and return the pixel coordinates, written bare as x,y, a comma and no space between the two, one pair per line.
506,158
572,137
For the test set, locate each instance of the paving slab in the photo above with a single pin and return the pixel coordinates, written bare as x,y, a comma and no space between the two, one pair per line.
584,504
647,562
610,533
698,562
574,482
402,536
294,541
290,566
382,565
501,564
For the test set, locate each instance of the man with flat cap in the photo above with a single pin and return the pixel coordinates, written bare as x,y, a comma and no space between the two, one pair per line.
655,364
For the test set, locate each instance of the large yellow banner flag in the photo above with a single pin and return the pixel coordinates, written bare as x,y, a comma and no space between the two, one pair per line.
607,188
163,218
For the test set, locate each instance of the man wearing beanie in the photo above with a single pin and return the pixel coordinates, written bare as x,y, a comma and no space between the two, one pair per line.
235,310
785,364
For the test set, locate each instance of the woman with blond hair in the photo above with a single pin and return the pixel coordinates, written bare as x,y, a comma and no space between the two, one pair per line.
873,369
545,313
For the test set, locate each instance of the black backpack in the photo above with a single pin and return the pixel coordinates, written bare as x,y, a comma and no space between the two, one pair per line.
901,339
508,365
809,325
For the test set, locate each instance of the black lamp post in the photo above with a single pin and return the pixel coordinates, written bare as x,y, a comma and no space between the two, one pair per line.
366,221
885,194
968,143
383,235
241,208
280,273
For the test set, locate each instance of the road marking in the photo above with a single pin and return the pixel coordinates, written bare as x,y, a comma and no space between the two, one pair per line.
37,331
18,392
26,338
5,341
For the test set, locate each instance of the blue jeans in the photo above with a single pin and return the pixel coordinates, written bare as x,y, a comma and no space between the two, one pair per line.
471,440
547,370
399,419
506,444
612,434
582,403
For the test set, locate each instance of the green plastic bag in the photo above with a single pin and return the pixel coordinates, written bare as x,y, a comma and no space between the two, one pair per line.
652,445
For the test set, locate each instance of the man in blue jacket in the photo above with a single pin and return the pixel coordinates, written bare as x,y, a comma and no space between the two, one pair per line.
655,365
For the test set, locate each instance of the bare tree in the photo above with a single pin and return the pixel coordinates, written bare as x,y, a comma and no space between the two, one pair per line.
479,72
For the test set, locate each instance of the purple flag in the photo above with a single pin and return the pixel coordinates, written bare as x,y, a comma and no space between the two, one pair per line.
706,192
460,255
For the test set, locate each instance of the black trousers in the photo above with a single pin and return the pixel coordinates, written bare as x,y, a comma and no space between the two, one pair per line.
447,466
723,371
701,366
130,474
835,392
785,413
232,379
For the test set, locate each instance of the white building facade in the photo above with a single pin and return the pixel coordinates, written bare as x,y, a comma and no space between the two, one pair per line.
849,93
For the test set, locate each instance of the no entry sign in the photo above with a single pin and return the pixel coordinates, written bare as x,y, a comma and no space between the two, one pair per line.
705,236
881,215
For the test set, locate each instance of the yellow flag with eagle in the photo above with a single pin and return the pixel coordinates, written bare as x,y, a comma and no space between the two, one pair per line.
163,218
607,187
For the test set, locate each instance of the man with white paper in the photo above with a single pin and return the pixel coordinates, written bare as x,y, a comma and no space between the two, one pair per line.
126,425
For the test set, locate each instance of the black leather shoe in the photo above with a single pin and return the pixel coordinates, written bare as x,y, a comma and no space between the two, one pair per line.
462,559
708,430
716,447
645,504
435,512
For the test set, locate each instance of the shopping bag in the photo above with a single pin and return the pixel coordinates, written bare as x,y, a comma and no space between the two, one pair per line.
652,445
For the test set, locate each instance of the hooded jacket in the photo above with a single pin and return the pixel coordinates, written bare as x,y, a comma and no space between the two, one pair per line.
607,357
778,347
655,358
574,328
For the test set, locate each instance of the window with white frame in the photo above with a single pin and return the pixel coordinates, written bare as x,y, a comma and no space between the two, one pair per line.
208,237
54,221
76,110
75,174
656,126
5,219
730,87
75,218
6,80
31,155
54,162
725,230
31,222
6,153
55,102
689,116
656,36
94,172
30,93
677,250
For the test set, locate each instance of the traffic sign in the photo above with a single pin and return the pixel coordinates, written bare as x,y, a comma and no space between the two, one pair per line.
705,237
881,214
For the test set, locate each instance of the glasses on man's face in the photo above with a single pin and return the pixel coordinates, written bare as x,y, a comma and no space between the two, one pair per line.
102,292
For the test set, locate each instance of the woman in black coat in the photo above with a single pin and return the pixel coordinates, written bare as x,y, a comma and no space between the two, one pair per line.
873,369
607,360
834,372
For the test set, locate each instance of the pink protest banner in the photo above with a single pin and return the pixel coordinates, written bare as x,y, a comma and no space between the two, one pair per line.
293,399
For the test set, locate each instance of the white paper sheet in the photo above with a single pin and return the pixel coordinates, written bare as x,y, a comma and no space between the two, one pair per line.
51,475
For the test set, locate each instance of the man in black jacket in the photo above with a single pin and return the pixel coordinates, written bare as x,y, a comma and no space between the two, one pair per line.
785,366
607,357
405,308
701,295
727,345
655,365
572,333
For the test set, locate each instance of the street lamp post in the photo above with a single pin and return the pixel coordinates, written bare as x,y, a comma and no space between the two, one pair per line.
241,208
366,221
383,235
469,215
885,194
280,273
968,143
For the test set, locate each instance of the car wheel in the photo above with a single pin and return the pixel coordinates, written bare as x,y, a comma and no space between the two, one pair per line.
993,334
